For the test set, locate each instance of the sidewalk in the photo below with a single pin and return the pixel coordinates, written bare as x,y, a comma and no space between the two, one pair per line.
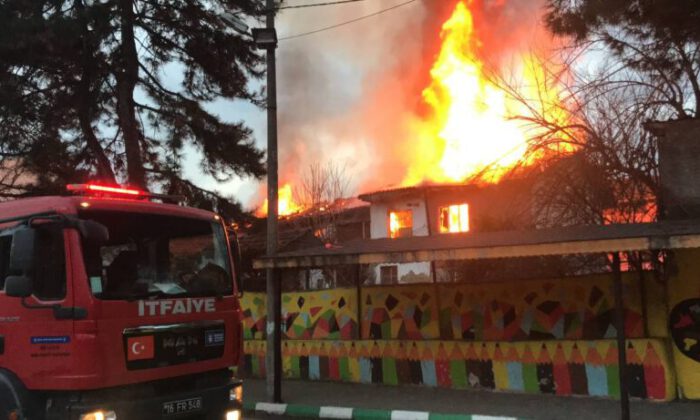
335,400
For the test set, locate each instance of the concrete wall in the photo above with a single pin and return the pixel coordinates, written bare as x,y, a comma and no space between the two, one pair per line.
507,206
379,217
679,148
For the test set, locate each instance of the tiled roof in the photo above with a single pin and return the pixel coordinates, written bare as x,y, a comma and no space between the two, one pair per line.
415,190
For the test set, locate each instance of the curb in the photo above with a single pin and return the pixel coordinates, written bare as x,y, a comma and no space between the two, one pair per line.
340,413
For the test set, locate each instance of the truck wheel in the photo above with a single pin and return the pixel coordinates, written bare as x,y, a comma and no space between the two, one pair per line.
13,397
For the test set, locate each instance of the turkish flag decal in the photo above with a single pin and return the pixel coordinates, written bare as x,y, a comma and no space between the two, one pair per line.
140,348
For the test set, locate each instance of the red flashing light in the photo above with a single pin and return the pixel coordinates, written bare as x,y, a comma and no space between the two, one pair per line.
104,189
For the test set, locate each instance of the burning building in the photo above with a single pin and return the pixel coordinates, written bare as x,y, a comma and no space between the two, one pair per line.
405,319
444,209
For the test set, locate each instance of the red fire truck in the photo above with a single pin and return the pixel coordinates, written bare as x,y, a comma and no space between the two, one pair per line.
114,305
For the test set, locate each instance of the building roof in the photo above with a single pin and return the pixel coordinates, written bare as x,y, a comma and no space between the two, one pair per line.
297,227
415,190
484,245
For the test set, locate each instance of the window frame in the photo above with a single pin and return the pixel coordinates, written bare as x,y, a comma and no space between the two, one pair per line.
444,215
217,227
393,277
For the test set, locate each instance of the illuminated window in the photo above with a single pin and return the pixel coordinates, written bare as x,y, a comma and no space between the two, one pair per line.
454,218
400,224
388,274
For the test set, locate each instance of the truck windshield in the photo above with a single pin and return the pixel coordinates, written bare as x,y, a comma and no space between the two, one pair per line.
157,256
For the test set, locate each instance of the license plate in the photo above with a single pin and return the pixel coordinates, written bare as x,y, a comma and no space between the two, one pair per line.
182,406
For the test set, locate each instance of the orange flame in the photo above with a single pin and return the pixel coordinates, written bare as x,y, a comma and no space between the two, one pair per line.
400,223
286,205
472,130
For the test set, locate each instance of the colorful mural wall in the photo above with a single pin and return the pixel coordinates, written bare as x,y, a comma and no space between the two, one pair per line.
400,312
684,306
549,367
254,316
325,314
547,336
573,308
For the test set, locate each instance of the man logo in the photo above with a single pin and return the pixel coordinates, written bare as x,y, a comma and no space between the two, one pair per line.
140,348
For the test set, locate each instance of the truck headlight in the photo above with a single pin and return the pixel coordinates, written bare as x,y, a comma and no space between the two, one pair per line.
233,415
99,415
236,394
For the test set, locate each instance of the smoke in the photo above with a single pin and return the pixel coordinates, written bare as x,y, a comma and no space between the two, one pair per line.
346,95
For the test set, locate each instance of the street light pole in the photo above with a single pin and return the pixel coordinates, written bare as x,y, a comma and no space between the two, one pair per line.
273,357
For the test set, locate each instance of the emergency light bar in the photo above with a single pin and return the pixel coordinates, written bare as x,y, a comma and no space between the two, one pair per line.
118,191
78,188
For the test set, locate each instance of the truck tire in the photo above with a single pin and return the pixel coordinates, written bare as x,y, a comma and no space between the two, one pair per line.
13,397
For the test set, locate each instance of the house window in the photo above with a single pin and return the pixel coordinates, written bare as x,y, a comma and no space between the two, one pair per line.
400,224
388,274
454,218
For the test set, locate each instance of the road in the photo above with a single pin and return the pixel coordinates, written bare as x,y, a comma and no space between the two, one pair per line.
437,400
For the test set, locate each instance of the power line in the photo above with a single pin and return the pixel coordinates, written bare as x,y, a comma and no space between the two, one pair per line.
330,3
347,22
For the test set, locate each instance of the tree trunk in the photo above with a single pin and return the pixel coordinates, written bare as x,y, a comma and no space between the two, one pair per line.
127,76
104,167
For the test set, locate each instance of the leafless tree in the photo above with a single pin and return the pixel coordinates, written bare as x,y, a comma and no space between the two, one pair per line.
322,193
654,45
648,56
590,157
14,178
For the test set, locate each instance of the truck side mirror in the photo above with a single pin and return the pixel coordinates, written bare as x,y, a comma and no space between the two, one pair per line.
93,231
22,251
18,286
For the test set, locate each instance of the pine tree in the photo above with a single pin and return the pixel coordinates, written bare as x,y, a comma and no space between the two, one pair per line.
84,93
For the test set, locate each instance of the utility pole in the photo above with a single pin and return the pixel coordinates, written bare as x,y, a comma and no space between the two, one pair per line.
621,341
273,356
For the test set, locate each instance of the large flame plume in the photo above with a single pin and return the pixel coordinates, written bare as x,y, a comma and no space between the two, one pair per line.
476,129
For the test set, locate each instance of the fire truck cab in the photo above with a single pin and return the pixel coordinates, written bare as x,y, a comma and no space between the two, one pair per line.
116,306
